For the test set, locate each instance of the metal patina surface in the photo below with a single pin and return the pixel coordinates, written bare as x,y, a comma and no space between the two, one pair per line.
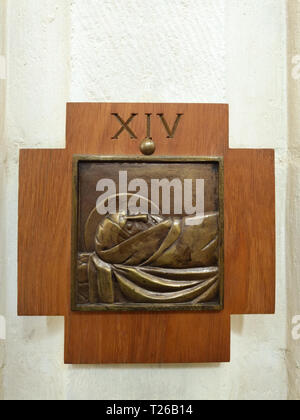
148,260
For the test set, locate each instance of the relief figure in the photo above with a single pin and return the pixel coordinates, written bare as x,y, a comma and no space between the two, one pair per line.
144,258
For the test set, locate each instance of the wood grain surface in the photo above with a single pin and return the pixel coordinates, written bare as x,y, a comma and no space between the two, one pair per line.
45,236
250,231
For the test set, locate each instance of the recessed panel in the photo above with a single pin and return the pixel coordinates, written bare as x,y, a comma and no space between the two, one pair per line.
148,234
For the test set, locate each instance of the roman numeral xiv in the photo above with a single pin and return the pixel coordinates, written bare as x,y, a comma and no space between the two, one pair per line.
125,125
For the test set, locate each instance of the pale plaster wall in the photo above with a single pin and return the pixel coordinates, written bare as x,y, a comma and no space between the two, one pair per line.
131,50
293,195
2,183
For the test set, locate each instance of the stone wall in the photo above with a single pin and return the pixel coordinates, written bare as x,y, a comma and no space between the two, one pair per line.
160,51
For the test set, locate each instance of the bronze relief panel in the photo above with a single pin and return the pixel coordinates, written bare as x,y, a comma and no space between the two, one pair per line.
147,233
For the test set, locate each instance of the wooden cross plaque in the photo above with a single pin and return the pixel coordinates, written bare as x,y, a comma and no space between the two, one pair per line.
147,232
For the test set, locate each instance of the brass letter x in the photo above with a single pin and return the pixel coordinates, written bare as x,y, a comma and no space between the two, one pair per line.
125,126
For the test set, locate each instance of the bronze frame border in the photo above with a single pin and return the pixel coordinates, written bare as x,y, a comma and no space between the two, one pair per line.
144,307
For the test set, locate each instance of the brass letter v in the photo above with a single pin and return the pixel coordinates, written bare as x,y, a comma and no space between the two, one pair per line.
171,132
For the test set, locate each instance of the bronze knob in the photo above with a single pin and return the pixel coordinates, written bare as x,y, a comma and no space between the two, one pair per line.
147,147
